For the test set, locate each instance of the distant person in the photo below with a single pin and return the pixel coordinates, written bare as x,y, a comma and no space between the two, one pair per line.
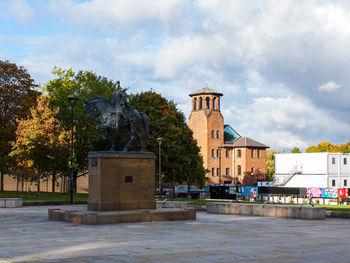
311,202
251,195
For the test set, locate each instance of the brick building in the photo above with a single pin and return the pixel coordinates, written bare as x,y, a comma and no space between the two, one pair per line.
228,156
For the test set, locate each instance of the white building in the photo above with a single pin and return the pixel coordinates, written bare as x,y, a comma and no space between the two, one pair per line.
312,170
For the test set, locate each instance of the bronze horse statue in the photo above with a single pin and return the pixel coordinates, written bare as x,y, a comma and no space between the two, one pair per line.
115,115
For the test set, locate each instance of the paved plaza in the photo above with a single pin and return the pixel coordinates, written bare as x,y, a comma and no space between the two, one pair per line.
26,235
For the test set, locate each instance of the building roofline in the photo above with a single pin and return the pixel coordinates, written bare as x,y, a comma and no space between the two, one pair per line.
205,91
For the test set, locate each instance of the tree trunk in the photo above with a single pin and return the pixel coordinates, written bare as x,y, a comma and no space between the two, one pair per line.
38,189
22,182
17,177
1,182
53,182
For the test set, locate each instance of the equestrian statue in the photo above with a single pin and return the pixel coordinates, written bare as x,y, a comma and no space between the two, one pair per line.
115,115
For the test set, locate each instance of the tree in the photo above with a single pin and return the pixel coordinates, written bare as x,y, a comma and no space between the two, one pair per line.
325,147
295,150
181,161
41,142
250,179
17,95
270,164
85,85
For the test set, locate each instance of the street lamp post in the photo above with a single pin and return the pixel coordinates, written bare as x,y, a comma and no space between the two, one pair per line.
219,152
73,100
160,166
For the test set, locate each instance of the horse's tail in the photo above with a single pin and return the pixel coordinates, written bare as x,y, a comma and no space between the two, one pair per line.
145,123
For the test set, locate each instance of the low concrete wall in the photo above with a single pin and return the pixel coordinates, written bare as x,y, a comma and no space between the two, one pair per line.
175,204
282,211
11,202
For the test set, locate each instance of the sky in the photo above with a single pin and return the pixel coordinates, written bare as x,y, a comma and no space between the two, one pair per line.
283,66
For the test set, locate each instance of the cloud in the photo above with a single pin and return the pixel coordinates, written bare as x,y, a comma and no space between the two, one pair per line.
123,16
21,10
285,122
329,86
268,58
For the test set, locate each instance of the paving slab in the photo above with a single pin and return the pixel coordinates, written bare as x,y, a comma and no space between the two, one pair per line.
26,235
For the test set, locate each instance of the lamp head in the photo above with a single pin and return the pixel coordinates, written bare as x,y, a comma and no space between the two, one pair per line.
73,100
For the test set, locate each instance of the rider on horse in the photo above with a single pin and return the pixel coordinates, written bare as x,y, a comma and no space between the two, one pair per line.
119,101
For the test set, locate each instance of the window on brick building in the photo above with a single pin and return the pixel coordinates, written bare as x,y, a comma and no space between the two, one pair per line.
195,104
213,172
239,170
214,104
259,153
252,153
239,153
227,171
212,153
212,134
200,103
207,100
218,134
227,153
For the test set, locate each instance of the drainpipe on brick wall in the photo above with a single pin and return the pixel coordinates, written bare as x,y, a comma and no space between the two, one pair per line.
339,167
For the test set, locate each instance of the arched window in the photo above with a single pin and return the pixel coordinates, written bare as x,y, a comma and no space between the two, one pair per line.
207,100
195,104
200,103
239,153
215,105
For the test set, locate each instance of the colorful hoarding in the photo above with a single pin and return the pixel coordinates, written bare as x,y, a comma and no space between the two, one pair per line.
329,192
342,192
316,191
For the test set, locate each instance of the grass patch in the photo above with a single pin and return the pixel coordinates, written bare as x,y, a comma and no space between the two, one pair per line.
44,196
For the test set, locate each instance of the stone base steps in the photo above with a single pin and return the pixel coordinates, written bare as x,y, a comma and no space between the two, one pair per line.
88,217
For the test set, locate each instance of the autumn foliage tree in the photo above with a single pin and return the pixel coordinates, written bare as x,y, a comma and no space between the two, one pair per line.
181,161
17,95
328,147
41,143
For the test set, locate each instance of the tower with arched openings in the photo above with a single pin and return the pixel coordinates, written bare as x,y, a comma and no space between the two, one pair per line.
227,156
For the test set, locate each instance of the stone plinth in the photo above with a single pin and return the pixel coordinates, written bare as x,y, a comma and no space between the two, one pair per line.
121,181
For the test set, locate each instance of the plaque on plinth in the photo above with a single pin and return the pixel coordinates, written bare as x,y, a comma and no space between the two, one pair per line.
121,181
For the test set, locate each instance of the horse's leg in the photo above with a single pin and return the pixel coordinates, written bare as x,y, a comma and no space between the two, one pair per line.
111,139
133,136
98,128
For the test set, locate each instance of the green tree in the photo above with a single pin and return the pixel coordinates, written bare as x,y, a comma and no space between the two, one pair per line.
181,161
270,164
295,150
85,85
17,95
41,142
